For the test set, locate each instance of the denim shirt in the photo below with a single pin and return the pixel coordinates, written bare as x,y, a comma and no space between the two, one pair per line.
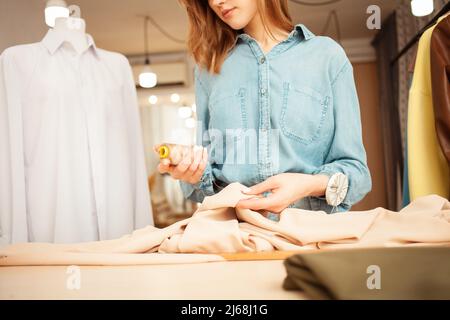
293,109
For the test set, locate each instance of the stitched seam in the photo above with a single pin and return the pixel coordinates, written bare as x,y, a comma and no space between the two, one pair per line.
201,83
242,106
346,63
285,130
242,96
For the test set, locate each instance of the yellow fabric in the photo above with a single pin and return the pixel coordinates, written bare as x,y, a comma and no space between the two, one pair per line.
427,166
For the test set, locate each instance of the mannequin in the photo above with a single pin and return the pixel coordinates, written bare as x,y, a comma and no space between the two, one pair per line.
72,162
73,31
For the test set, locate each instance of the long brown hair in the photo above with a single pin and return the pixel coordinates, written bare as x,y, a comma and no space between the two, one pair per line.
210,39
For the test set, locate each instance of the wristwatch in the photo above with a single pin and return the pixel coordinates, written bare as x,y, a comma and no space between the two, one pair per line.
336,189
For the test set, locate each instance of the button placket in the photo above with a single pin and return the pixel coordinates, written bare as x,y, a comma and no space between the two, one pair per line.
92,141
264,113
266,122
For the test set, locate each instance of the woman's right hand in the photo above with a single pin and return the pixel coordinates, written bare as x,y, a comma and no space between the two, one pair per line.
191,167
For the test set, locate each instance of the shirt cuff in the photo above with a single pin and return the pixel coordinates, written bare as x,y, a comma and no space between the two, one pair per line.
326,171
206,181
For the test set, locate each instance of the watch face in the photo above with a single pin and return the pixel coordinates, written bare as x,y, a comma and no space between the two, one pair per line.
337,189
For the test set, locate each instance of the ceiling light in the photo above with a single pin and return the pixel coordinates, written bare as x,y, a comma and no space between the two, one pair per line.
189,123
153,99
147,78
422,8
184,112
175,97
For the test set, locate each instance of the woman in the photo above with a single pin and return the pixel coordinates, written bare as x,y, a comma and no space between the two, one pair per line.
278,98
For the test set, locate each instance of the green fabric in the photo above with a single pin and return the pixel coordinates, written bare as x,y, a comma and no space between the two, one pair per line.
405,273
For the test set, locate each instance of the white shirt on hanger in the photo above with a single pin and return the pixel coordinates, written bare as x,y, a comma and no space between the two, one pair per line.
72,162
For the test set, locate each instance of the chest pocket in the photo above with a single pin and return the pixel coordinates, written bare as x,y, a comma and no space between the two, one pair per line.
303,113
228,114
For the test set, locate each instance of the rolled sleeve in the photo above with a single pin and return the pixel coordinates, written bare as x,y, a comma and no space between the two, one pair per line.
205,187
347,154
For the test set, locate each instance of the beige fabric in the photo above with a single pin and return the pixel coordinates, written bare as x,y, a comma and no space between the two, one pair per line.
217,227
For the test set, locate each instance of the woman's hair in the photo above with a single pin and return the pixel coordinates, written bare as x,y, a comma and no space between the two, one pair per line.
210,39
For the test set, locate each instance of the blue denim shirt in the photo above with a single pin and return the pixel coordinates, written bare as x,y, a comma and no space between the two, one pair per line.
293,109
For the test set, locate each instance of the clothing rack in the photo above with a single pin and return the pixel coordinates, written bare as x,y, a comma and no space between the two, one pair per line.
443,11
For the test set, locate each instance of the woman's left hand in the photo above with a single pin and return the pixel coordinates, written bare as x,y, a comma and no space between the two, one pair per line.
285,188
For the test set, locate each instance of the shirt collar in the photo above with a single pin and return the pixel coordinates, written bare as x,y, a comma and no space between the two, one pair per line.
299,30
307,34
53,40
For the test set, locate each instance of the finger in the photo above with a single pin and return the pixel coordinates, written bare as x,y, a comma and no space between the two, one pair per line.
198,155
276,209
156,148
201,168
204,160
180,170
257,204
262,187
162,168
165,162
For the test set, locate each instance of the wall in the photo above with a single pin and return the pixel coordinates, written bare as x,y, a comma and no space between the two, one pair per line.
366,79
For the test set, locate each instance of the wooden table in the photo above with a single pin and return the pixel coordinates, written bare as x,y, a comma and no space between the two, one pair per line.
244,279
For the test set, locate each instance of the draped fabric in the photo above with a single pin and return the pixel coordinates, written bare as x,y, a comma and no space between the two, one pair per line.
219,227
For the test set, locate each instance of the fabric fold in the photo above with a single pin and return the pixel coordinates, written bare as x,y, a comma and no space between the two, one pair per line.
218,227
379,273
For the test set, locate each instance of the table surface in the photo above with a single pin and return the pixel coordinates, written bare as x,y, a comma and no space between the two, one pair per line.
213,280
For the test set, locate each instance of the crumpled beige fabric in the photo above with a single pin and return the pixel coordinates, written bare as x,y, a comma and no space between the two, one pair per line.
217,227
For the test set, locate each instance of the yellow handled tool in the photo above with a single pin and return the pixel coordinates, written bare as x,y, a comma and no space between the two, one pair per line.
173,152
164,152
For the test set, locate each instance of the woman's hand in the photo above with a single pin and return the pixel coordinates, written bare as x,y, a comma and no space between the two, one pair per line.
191,167
286,189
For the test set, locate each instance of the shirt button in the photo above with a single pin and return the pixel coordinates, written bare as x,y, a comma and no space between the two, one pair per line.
263,91
262,60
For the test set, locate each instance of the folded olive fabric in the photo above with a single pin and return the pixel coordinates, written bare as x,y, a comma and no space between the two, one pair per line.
376,273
